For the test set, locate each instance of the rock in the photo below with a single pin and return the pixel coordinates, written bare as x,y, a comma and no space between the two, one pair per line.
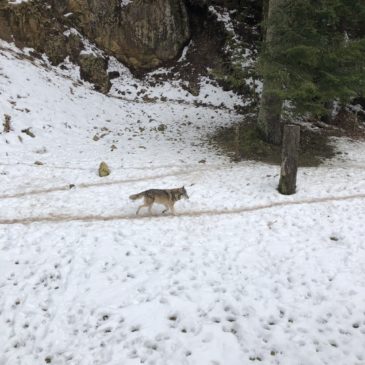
94,69
74,47
56,49
162,127
104,169
230,4
28,132
6,124
33,25
158,31
192,87
39,163
143,34
113,75
200,3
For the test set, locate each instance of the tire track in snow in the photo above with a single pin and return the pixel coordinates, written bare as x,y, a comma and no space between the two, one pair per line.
201,213
142,168
114,182
186,171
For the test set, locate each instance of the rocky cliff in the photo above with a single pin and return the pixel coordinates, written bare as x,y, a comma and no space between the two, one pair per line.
142,34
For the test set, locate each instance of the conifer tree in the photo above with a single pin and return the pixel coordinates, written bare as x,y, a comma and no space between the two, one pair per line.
313,54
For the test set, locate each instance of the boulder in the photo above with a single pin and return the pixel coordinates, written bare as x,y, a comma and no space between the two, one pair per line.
104,169
153,32
94,69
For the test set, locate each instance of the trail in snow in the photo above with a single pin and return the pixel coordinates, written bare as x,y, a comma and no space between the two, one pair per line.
142,168
107,183
95,218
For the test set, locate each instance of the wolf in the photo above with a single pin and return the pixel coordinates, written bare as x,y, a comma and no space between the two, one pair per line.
166,197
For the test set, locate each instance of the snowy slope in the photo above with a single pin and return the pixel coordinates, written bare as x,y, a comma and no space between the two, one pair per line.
241,275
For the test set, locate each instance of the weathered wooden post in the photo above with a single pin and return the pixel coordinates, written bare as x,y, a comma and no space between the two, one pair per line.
289,159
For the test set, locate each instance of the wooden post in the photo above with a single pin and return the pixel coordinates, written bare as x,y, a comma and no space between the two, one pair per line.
289,159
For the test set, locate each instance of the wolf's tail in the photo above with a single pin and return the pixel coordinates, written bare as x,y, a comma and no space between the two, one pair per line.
136,196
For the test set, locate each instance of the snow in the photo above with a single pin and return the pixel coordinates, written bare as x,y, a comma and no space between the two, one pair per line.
125,3
224,17
128,87
240,275
241,57
88,47
184,52
17,1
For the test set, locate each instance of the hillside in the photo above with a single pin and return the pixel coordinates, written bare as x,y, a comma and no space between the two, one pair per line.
240,275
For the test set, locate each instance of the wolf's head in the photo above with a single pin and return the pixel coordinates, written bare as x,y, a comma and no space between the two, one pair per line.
183,193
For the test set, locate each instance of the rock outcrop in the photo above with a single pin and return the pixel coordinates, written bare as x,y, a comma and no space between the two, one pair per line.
143,33
94,69
34,25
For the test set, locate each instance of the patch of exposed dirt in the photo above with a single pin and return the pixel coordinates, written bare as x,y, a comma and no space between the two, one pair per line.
315,146
349,124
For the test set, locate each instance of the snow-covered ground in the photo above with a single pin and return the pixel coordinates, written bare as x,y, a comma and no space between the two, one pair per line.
240,275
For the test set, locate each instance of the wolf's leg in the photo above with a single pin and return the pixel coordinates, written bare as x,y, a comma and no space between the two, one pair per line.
150,209
145,204
167,208
140,207
172,209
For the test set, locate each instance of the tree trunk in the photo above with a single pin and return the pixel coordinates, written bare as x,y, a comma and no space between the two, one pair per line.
327,117
269,120
265,10
289,160
271,104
